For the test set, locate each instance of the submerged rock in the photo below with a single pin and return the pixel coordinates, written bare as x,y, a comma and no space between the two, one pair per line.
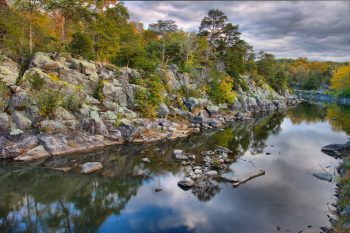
91,167
323,176
229,176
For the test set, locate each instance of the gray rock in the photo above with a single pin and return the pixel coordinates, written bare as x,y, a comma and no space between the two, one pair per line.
211,173
163,110
83,66
323,176
51,126
28,142
230,177
99,126
19,101
332,149
54,144
177,151
21,120
4,122
213,110
9,70
16,132
222,149
61,113
191,103
127,129
146,160
91,167
186,184
181,157
35,153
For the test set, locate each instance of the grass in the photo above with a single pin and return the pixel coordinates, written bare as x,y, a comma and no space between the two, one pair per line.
344,197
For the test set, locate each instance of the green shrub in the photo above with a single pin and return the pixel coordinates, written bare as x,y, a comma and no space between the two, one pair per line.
221,91
118,120
72,102
81,44
35,81
99,91
344,93
144,104
5,94
47,101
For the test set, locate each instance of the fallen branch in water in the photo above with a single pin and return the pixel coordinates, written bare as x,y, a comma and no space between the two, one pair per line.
260,173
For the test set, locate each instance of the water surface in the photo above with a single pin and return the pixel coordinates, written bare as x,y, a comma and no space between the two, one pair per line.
288,198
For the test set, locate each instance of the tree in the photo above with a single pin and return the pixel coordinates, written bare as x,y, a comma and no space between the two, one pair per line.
29,7
280,82
213,26
341,80
68,11
81,44
162,28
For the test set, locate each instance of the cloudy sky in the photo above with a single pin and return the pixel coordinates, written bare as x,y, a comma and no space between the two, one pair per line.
319,30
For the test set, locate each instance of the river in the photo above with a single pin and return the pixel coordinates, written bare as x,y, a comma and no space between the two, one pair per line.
288,198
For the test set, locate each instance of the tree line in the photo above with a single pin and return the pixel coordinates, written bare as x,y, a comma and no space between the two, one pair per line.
101,30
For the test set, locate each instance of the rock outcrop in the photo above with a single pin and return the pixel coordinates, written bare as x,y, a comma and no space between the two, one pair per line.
97,107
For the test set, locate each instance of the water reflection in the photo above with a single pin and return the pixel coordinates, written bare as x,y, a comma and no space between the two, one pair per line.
35,198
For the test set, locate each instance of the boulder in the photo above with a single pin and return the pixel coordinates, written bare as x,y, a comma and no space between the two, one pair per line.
19,100
9,71
28,142
21,120
61,113
35,153
213,110
323,176
146,160
336,150
99,126
91,167
163,110
51,126
4,122
83,66
127,129
222,149
54,144
186,184
211,173
191,103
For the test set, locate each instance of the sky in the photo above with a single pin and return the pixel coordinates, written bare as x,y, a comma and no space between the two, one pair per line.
318,30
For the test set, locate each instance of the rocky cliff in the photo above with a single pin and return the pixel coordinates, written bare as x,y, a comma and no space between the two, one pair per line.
71,105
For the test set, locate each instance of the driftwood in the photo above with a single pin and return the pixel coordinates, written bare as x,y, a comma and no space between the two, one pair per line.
260,173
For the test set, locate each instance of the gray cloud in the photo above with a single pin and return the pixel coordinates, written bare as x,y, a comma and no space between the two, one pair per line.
318,30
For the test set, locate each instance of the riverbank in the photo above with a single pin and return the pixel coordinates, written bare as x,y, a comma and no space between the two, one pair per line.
74,105
341,151
321,96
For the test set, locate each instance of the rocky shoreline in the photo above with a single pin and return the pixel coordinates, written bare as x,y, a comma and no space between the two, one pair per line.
113,118
320,96
341,221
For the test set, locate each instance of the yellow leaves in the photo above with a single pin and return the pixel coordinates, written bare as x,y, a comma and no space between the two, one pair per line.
222,92
341,79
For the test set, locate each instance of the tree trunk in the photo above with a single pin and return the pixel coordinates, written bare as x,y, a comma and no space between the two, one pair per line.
163,51
64,29
30,37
